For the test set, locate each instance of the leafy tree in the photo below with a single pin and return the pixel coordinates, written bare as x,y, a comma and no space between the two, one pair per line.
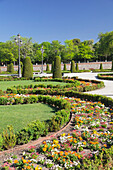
106,44
57,68
85,52
72,66
27,68
71,50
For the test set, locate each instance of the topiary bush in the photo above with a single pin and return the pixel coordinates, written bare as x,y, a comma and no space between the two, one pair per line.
10,68
47,68
57,68
101,67
72,66
77,68
52,67
27,68
112,65
65,69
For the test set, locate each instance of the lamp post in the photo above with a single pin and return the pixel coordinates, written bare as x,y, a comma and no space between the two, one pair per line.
19,43
42,50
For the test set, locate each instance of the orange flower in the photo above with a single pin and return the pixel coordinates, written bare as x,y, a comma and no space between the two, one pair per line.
44,142
63,160
28,167
58,159
78,156
44,149
105,145
15,161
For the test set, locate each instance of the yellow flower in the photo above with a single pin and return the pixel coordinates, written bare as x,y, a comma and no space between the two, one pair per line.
38,168
44,149
24,161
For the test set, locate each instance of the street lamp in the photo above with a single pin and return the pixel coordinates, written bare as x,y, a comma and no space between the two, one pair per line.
42,50
19,43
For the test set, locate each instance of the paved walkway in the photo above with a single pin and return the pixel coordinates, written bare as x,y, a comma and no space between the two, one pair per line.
107,91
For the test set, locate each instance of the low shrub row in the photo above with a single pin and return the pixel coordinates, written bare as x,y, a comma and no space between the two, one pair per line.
105,76
13,78
54,90
103,70
35,129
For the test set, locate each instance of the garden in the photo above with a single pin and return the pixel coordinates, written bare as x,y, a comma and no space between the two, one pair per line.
77,134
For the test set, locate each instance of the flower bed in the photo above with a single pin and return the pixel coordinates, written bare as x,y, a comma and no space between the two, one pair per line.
87,145
105,76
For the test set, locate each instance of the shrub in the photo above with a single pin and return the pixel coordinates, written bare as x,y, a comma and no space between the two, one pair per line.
57,68
65,69
72,66
101,67
112,65
52,67
27,68
47,68
9,138
77,68
1,142
11,68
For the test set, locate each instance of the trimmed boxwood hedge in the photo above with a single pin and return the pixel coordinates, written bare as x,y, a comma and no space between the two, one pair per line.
36,128
105,76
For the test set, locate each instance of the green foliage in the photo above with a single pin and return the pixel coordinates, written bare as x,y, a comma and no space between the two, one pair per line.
112,65
65,69
1,142
101,67
52,67
27,68
77,68
8,68
57,67
72,66
47,68
32,132
9,137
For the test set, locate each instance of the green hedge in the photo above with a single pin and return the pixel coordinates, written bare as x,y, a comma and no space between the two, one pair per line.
36,128
100,76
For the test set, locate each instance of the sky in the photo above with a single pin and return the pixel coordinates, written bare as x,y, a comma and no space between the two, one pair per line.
48,20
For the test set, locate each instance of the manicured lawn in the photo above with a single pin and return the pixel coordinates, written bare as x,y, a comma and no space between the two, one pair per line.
20,115
5,84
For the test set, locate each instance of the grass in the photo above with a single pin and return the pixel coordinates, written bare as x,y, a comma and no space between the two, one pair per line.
5,84
20,115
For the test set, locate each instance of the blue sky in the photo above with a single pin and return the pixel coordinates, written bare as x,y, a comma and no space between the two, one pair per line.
48,20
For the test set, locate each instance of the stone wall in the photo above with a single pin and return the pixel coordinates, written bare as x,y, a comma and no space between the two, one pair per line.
82,66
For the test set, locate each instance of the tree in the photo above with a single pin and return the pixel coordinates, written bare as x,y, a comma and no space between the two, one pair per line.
85,52
106,44
57,68
72,66
27,68
71,50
